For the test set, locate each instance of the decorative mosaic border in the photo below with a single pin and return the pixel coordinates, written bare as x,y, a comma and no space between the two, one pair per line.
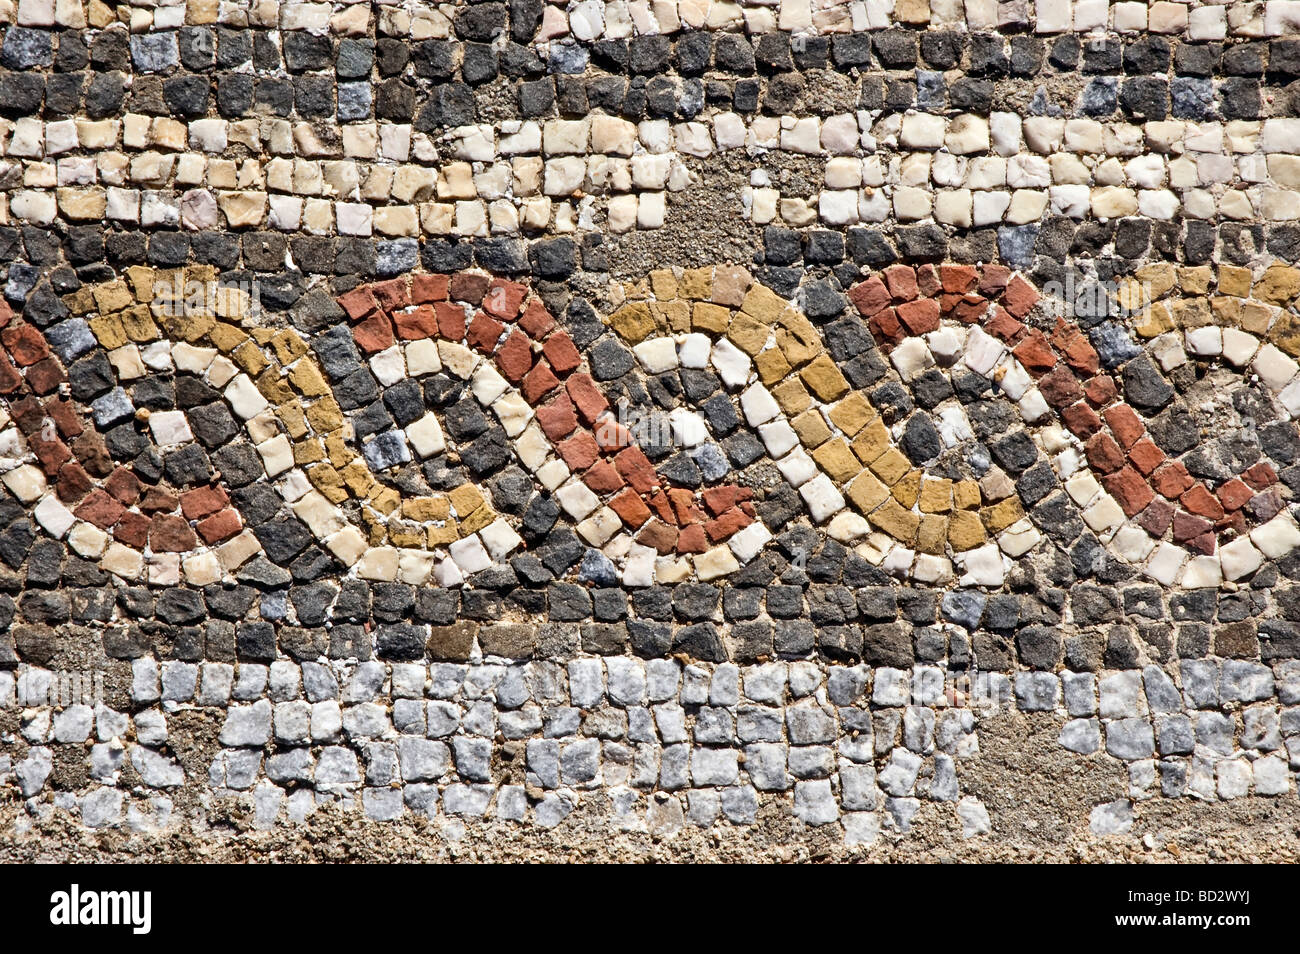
485,410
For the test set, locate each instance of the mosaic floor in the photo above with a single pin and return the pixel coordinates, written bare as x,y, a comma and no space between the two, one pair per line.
486,410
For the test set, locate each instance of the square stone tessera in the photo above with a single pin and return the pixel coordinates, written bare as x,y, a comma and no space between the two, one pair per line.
679,429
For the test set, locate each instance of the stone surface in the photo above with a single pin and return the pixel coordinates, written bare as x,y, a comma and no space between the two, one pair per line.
707,413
